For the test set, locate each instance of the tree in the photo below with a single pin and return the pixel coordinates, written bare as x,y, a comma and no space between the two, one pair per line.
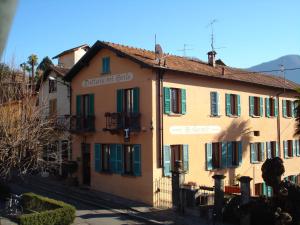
45,64
23,132
32,61
25,68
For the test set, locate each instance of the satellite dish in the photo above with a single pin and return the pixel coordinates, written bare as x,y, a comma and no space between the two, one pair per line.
158,50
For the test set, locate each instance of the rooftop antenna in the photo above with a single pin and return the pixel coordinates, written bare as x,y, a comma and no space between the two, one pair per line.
185,49
211,24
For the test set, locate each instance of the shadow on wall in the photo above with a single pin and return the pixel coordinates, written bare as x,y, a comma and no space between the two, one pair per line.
238,130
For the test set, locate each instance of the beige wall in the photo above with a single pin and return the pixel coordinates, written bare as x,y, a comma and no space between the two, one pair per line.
68,60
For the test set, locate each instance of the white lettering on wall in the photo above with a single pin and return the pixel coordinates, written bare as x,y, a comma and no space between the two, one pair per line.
195,129
107,79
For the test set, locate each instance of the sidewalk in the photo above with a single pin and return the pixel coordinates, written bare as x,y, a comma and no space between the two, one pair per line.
114,203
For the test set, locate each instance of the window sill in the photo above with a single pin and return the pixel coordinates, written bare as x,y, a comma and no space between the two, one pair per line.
216,116
105,172
175,114
256,162
254,116
288,117
233,116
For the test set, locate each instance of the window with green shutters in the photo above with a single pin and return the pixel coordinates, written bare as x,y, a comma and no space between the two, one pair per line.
297,145
173,153
271,107
223,154
257,152
288,108
289,148
256,106
214,103
105,65
174,101
233,105
97,157
128,100
272,149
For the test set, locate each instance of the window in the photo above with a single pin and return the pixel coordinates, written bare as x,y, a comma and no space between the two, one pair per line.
263,189
288,108
257,152
128,100
173,153
233,107
256,106
52,107
52,86
289,148
223,154
272,149
105,65
105,157
214,104
85,111
174,101
271,107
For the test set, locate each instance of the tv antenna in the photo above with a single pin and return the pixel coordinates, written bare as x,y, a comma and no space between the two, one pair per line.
211,24
185,49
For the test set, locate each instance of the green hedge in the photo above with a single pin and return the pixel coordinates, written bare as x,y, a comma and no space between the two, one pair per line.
45,211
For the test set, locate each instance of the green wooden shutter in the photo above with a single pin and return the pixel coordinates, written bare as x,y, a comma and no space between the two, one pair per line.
277,150
267,102
120,97
218,104
113,158
105,65
185,157
269,191
261,106
240,152
229,153
119,158
183,101
253,152
238,105
293,108
294,148
262,151
91,105
167,160
213,103
251,105
293,179
268,145
78,111
284,108
136,100
224,155
98,161
285,149
276,106
209,165
228,105
265,189
137,160
298,148
167,100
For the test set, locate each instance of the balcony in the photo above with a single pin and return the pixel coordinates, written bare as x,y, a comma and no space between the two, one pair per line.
116,122
82,124
62,123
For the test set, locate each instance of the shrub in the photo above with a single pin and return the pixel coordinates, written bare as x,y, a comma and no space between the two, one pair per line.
45,211
4,191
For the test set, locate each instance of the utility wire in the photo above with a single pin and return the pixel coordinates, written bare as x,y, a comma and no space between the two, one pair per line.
263,71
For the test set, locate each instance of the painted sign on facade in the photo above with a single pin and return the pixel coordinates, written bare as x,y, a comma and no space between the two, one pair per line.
195,129
107,79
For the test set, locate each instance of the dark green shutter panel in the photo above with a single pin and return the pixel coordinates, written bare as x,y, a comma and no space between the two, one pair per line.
261,106
183,101
185,157
251,105
253,153
218,103
209,165
284,108
224,155
240,152
269,191
298,148
268,145
105,65
228,105
136,100
119,158
294,148
285,149
262,151
97,156
214,103
229,154
137,160
120,97
267,102
277,150
276,106
113,158
167,100
293,108
78,105
265,189
238,105
167,160
91,105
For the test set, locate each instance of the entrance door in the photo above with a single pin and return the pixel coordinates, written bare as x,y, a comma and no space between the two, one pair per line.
86,164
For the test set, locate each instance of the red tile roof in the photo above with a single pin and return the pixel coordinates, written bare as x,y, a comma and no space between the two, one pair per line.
185,65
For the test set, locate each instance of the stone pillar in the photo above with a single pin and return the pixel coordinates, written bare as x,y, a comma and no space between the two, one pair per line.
245,198
219,196
177,181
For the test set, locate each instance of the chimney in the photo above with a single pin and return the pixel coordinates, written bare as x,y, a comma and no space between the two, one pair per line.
212,58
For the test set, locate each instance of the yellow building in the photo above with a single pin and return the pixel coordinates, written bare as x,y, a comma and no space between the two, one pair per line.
137,111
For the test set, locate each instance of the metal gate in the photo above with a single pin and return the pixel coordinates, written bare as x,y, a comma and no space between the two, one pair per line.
163,192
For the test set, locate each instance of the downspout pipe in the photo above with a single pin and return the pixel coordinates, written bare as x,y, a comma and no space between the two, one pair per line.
160,125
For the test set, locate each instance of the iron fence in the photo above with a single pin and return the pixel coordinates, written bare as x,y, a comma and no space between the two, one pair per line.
163,192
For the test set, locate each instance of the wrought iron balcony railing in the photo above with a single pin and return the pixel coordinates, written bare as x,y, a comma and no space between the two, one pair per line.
82,124
117,122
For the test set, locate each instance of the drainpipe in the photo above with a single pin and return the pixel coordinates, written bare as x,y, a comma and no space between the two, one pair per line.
159,77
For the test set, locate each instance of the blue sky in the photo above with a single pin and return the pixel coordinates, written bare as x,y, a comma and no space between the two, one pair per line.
246,32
